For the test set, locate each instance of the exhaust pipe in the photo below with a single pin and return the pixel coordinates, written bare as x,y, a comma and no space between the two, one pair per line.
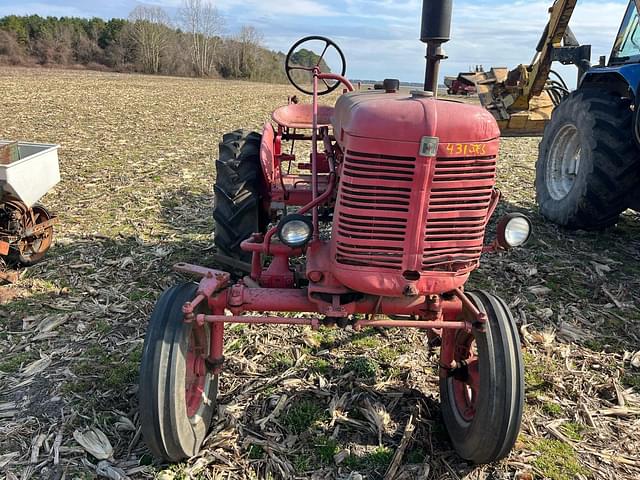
436,30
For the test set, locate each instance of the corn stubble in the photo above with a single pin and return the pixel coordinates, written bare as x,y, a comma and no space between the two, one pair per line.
137,167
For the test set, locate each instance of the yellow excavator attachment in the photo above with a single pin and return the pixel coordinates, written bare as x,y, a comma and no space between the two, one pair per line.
522,99
496,95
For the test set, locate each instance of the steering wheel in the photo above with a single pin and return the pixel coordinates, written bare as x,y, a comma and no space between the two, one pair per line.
328,43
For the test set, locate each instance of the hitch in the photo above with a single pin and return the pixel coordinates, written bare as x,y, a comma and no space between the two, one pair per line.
212,281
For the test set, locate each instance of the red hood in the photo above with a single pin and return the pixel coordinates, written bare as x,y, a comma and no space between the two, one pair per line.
402,117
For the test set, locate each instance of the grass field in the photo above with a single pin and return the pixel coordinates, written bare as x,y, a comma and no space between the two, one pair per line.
137,166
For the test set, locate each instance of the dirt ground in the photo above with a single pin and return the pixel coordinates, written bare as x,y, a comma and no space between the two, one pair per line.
136,196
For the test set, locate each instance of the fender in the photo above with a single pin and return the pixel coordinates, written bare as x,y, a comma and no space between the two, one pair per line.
623,79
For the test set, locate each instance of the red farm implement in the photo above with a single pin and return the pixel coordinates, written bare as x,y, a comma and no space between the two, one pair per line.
407,184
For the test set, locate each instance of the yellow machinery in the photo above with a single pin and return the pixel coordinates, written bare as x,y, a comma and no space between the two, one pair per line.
522,99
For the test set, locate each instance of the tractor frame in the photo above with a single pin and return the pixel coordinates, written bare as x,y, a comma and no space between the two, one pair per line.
408,227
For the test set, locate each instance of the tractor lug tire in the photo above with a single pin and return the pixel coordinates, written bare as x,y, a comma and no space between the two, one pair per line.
238,193
608,166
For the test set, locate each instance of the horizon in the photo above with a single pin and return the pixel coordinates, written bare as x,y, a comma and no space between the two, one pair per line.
379,29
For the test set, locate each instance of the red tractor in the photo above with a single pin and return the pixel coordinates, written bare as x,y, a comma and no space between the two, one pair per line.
407,182
462,86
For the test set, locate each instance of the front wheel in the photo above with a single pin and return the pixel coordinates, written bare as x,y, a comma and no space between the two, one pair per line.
483,397
177,390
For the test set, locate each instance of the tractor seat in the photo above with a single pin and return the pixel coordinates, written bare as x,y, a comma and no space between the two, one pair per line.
301,115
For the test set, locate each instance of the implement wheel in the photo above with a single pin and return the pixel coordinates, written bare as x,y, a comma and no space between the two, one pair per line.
482,399
30,250
177,391
587,162
239,209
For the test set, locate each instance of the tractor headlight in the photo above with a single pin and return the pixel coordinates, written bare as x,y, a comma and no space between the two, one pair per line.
514,230
295,230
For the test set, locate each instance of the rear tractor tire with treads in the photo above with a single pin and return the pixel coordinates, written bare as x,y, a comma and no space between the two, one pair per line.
588,162
239,191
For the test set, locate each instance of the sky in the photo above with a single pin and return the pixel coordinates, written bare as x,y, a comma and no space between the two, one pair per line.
380,38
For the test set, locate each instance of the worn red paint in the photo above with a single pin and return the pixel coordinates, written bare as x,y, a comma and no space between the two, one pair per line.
315,322
196,371
410,181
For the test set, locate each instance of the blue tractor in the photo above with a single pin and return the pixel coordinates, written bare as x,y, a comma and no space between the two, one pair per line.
588,169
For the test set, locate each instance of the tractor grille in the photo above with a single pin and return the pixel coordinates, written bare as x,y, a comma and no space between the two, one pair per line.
460,195
374,208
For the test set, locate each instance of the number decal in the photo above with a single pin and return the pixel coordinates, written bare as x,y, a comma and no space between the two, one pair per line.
466,149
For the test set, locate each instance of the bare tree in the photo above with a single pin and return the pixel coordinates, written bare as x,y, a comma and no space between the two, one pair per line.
10,49
241,55
249,40
121,52
151,34
201,20
55,45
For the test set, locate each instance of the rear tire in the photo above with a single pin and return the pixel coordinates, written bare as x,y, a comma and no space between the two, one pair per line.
482,403
177,392
587,162
239,190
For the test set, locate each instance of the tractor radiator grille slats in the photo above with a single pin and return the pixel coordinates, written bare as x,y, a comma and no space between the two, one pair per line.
375,205
375,211
460,197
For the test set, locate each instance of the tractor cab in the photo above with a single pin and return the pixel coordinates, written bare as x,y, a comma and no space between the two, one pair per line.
621,75
626,48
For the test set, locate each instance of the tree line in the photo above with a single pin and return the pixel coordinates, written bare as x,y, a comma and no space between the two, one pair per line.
149,41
